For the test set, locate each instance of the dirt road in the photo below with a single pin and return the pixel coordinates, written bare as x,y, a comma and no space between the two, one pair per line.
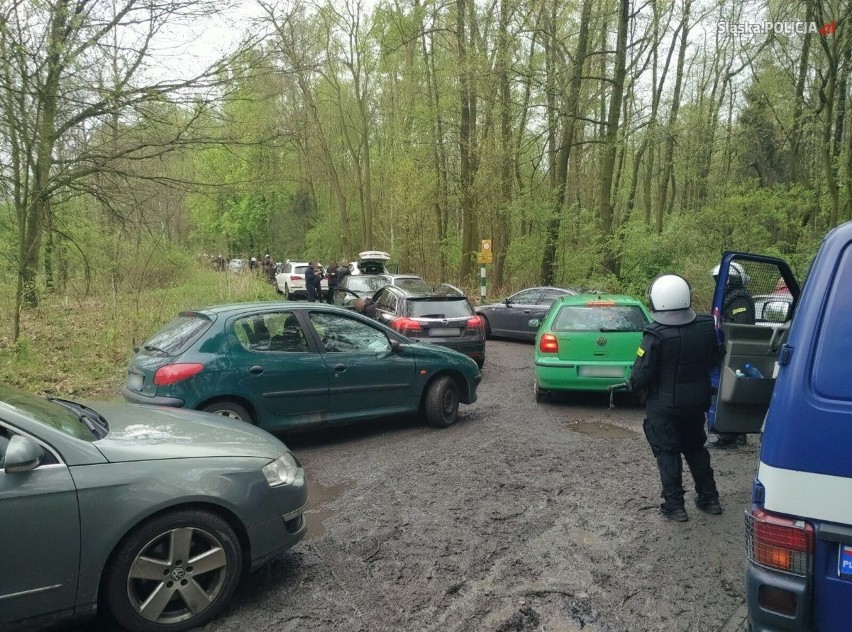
519,517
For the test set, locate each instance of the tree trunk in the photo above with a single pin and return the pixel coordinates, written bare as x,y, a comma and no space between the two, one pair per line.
668,161
465,141
503,236
796,172
567,138
610,260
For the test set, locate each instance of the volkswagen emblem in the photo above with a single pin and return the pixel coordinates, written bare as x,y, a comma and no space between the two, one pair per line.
601,341
178,574
445,322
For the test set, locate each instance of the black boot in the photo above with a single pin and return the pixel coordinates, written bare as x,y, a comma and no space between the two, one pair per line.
723,441
709,504
675,513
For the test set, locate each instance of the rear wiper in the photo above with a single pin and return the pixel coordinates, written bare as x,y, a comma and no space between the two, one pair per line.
610,329
155,348
94,421
433,316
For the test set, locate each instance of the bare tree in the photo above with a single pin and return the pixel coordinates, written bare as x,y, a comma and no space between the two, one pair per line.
53,56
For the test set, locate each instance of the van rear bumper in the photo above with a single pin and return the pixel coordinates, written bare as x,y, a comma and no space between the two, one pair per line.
763,619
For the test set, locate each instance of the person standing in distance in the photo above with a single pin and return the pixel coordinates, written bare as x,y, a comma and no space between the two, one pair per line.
311,281
737,307
672,367
332,281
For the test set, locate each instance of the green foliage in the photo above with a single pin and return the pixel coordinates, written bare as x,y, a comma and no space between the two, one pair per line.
73,345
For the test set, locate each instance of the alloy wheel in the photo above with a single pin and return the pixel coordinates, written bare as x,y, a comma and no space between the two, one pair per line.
177,575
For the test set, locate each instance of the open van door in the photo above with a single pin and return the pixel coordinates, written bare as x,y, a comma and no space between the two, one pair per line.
753,306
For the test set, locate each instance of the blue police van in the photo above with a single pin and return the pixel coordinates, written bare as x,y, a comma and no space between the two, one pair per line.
798,392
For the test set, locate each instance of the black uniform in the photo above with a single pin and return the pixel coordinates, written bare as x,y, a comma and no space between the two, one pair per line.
673,368
738,306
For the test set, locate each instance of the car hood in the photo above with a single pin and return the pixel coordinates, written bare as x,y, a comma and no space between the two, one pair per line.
140,433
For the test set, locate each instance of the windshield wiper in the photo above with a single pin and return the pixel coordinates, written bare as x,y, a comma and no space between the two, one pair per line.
92,419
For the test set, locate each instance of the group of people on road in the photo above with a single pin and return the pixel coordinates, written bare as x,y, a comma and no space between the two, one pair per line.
679,352
314,275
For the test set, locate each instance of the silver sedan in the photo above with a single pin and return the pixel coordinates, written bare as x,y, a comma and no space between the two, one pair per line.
160,510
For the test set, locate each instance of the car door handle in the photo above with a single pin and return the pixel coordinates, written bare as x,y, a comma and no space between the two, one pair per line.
526,311
340,368
256,370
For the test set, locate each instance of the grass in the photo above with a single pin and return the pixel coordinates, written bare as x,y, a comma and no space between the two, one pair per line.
81,347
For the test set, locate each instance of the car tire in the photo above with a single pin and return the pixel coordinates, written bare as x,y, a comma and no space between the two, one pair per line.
287,295
480,362
540,394
157,558
487,327
229,409
442,402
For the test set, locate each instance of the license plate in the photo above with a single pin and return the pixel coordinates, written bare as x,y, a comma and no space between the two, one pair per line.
134,381
444,332
844,564
600,371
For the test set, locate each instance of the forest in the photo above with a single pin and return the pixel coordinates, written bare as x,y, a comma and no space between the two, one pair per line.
598,143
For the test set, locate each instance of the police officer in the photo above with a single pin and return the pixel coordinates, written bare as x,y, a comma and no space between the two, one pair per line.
310,281
672,367
737,307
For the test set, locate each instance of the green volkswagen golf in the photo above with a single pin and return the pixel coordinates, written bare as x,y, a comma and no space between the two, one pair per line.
587,342
286,365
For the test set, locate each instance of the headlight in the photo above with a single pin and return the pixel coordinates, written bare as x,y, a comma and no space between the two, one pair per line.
282,471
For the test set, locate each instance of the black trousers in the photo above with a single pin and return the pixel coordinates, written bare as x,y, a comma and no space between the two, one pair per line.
672,433
330,296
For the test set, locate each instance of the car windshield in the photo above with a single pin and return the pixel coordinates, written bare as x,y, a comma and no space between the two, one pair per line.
365,283
178,335
438,308
600,318
49,413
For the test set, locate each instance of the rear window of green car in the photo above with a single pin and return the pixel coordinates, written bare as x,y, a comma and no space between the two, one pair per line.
178,335
598,318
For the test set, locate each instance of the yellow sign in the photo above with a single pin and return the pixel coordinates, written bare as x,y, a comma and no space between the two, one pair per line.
484,257
485,245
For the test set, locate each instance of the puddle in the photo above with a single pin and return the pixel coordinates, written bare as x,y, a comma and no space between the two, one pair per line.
319,497
601,430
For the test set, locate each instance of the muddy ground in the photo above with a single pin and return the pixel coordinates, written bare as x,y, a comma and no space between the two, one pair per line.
520,517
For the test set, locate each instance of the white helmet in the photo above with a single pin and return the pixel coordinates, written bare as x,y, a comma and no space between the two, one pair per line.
736,273
670,299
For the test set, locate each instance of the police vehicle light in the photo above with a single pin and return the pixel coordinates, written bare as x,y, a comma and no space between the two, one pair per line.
779,543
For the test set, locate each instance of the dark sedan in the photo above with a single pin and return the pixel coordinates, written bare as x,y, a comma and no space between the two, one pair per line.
510,319
154,513
441,316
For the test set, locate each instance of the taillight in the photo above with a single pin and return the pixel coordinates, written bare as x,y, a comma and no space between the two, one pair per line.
548,344
779,543
475,322
405,325
296,277
172,373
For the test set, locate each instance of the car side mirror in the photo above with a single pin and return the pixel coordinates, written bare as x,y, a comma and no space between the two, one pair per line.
534,323
23,455
396,347
776,311
507,302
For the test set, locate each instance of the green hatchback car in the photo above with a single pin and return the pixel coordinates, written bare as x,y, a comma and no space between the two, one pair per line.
587,342
286,365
